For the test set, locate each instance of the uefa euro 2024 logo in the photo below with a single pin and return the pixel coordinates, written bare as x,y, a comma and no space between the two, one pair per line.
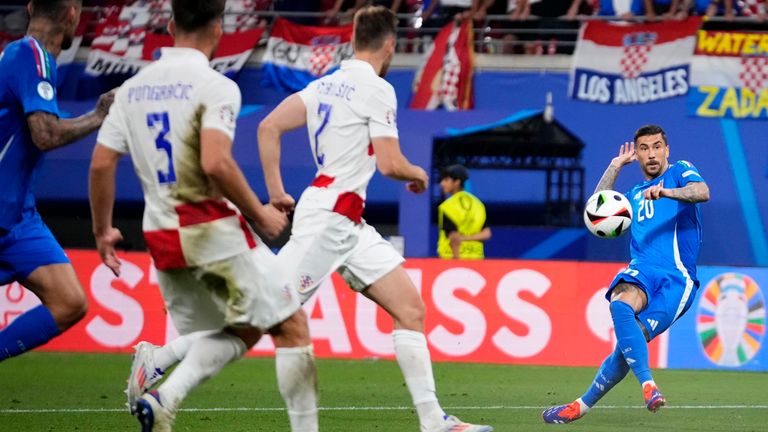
731,319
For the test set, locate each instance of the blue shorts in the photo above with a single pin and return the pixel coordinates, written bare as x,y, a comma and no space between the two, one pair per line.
670,294
27,246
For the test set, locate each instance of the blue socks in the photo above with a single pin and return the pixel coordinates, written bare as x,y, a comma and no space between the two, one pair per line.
631,340
30,330
613,370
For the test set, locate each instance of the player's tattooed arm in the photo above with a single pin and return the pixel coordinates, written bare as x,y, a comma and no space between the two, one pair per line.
626,155
608,179
49,131
694,192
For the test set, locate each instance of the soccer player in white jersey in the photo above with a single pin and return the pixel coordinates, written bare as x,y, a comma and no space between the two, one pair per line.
176,118
350,115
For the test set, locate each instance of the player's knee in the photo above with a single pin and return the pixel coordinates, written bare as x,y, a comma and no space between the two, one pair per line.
249,335
293,332
411,315
70,309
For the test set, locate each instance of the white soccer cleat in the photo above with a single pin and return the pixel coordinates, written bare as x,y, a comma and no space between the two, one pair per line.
152,415
453,424
144,374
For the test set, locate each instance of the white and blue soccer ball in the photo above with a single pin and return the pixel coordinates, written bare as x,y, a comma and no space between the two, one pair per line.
608,214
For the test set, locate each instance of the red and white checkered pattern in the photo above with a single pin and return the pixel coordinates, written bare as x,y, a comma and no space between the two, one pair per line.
633,60
449,84
755,73
322,57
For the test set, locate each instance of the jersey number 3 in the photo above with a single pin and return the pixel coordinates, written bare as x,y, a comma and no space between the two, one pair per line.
159,122
324,111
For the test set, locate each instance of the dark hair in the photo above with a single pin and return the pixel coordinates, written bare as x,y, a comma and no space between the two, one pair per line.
651,130
372,26
193,15
455,172
51,9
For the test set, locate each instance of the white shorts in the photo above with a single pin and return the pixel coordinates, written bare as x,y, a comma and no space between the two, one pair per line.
248,289
323,241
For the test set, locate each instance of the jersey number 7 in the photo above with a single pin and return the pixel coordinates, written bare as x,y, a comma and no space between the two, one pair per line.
324,111
160,123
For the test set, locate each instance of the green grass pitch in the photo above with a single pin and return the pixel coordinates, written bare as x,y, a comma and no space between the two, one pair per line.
83,392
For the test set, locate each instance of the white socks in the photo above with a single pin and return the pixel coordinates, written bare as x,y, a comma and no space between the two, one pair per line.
583,408
175,350
207,355
297,381
413,357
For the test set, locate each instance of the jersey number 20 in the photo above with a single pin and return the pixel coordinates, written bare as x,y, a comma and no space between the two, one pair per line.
159,122
645,210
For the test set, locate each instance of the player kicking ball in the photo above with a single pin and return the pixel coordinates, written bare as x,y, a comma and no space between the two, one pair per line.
660,283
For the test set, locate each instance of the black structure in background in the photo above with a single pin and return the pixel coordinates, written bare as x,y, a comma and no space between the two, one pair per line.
527,140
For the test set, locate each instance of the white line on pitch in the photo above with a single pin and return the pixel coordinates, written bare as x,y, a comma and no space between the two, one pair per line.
365,408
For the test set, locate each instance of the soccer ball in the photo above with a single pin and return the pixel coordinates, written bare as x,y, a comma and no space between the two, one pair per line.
608,214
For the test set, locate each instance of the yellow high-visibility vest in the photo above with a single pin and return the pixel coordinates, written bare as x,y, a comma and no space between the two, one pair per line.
468,213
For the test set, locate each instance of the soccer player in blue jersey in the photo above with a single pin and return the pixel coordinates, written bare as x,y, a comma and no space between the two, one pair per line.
660,283
29,126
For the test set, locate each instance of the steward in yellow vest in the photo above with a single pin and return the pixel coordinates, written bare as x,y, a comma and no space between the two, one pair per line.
461,219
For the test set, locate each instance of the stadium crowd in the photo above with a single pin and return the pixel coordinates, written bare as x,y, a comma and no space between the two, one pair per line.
503,26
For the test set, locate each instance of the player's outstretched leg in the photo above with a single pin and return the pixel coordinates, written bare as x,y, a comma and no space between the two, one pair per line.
634,347
613,370
64,304
150,362
206,357
396,294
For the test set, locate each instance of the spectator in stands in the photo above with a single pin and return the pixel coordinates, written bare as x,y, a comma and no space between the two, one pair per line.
756,9
339,11
665,9
546,14
461,218
623,9
299,6
440,12
721,7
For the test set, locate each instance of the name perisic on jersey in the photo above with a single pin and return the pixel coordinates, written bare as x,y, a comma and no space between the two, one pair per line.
595,87
338,89
159,92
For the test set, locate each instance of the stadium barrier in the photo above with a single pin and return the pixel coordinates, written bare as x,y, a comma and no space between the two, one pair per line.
493,311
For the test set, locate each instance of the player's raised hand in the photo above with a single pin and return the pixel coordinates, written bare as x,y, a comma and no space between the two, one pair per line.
284,203
626,154
105,243
655,192
270,221
419,182
104,102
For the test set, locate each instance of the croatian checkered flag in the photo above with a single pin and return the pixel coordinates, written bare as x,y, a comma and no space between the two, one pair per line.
729,75
622,63
445,78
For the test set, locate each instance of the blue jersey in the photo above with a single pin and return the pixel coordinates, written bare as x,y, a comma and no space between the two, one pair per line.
27,85
666,233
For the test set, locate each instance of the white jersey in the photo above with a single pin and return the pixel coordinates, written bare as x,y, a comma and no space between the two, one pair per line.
345,110
157,117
